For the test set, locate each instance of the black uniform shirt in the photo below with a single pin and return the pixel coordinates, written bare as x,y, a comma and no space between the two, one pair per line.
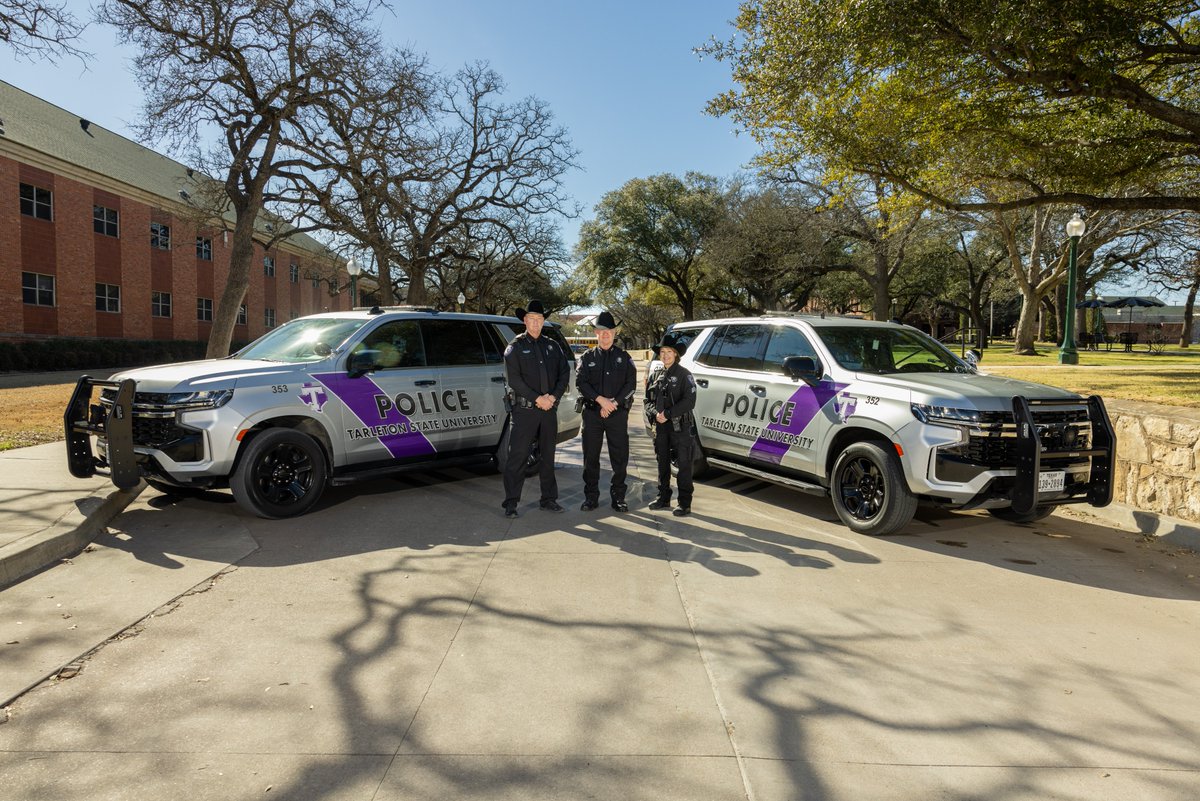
607,374
676,392
536,367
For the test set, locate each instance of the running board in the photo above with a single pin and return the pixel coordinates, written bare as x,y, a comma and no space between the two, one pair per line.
794,483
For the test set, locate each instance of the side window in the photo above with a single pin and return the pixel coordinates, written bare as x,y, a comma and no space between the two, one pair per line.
785,341
398,343
452,343
741,348
493,346
711,348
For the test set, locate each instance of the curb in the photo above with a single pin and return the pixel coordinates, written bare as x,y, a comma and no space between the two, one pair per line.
1170,530
69,535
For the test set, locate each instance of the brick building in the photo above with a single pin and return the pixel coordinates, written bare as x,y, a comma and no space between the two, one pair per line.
98,238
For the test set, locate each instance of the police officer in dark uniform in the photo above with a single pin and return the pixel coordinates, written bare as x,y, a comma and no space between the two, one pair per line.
670,399
607,381
537,374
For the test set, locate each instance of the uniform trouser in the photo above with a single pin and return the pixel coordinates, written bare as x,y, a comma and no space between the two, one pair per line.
529,425
595,429
667,439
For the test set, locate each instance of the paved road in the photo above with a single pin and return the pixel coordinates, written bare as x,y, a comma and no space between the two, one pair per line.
405,641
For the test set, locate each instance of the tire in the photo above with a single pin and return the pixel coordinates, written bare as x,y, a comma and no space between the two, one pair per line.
869,491
1007,514
281,474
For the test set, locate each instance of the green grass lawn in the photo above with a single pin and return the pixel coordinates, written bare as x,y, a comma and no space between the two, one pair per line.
1171,377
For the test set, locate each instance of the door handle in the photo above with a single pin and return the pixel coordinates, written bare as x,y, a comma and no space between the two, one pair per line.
758,390
429,382
703,382
499,379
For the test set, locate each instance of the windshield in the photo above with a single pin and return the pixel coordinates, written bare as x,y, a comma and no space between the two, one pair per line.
305,340
868,349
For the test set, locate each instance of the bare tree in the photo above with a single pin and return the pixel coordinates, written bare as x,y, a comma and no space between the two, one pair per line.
254,73
40,29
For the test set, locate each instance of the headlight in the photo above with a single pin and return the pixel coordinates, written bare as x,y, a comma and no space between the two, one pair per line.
210,399
946,415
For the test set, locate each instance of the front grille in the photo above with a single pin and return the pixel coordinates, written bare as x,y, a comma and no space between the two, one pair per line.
993,445
154,423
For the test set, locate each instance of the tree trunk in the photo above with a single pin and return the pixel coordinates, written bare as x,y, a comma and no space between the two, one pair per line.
418,295
1185,336
241,255
383,277
1027,324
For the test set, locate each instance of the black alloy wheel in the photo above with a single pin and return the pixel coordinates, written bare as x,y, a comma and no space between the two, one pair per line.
281,474
869,491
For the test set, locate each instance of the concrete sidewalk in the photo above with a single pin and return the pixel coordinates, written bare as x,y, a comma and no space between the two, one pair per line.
46,514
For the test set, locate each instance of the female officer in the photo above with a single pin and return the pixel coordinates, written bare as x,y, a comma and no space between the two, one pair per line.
672,397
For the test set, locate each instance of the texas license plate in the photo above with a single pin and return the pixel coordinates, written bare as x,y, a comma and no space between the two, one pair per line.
1053,481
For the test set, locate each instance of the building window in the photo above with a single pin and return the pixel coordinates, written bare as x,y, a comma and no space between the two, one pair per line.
269,317
37,289
203,248
269,266
160,304
204,310
160,236
108,298
37,202
241,318
104,220
292,315
294,273
316,283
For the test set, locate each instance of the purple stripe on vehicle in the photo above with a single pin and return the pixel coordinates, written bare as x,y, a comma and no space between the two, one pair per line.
808,402
358,395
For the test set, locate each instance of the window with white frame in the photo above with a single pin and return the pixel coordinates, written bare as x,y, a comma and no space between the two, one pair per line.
160,236
37,289
108,298
104,220
37,202
203,248
241,318
204,310
269,317
160,304
294,273
269,266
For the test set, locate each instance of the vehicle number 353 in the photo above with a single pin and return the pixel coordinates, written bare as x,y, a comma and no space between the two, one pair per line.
279,388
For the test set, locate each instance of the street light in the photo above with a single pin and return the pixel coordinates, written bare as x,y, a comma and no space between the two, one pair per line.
354,268
462,302
1067,353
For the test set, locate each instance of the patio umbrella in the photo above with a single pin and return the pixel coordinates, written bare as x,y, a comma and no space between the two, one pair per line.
1130,302
1097,317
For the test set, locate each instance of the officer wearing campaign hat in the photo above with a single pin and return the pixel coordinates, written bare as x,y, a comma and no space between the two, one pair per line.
670,399
537,373
607,381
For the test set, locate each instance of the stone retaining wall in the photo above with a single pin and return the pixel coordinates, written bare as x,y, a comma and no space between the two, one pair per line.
1158,458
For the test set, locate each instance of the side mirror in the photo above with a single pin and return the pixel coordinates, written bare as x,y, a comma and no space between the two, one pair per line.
974,357
803,368
362,362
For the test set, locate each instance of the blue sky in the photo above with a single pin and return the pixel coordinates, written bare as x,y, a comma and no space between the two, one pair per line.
620,76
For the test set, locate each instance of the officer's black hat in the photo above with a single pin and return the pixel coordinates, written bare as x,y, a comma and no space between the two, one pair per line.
672,342
604,322
533,307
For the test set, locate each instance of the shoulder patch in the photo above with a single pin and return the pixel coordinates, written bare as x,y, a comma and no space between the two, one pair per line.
509,350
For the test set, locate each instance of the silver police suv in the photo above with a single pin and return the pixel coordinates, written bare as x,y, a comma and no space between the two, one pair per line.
880,416
324,399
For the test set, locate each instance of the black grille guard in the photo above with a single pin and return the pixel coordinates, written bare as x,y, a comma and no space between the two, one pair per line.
1030,452
113,422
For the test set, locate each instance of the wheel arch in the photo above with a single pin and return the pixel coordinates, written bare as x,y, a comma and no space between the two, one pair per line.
849,435
301,423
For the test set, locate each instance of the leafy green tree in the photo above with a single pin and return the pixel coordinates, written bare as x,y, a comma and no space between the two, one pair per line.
767,251
1053,102
652,229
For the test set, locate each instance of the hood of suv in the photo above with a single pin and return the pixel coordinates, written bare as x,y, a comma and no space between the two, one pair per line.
969,390
205,374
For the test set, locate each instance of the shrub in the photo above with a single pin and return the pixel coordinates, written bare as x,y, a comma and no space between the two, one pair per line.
84,354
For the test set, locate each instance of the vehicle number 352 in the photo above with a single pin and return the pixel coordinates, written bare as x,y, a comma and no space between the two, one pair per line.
279,388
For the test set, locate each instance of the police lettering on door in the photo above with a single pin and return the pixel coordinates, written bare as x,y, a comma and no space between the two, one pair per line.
439,411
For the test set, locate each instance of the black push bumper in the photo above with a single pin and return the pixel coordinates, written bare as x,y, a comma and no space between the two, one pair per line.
1031,452
113,423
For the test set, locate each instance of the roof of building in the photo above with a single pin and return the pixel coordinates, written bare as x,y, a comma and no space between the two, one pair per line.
45,128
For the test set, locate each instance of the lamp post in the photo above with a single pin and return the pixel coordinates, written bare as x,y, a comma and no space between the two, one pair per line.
354,268
462,302
1067,353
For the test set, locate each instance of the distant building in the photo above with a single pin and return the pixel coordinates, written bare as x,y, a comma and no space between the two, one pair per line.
99,238
1145,318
